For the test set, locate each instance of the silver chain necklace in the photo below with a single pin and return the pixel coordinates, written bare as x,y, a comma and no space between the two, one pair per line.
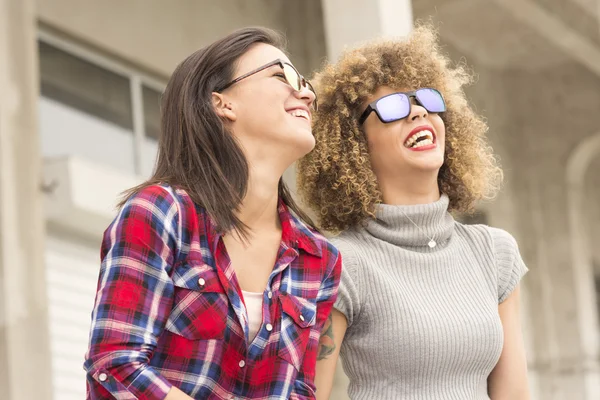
432,243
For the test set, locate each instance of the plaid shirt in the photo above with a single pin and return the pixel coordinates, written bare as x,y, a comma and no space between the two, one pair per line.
169,309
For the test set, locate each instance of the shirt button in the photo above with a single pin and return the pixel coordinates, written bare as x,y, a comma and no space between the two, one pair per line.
301,317
269,327
242,364
270,294
201,282
102,377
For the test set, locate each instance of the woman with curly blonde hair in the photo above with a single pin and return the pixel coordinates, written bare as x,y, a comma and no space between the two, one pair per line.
428,308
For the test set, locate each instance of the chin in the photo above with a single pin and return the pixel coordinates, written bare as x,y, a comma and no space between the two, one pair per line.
305,142
428,166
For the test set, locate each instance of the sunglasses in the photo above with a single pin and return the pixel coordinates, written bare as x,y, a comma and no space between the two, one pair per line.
290,73
397,106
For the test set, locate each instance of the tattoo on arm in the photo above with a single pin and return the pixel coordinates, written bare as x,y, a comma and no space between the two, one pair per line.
326,343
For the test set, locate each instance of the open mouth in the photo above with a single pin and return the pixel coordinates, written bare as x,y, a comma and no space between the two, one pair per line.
420,139
300,114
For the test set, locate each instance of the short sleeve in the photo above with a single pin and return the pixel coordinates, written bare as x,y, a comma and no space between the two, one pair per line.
509,263
348,301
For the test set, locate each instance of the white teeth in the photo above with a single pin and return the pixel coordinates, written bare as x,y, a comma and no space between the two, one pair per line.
424,142
411,142
299,113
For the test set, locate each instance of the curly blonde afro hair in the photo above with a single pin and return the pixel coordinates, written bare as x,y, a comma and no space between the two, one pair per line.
336,179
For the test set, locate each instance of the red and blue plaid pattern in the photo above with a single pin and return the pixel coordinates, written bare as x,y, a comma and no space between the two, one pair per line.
169,310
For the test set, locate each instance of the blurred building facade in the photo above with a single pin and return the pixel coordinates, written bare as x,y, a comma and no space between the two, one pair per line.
79,113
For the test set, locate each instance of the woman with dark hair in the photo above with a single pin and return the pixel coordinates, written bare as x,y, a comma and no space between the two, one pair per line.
213,283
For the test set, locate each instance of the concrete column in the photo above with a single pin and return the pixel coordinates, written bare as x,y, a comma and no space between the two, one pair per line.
24,340
350,21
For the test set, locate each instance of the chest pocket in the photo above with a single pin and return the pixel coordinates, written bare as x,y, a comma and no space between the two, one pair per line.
200,305
299,315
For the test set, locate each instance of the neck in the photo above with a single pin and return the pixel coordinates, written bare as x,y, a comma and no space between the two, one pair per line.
258,210
412,188
413,226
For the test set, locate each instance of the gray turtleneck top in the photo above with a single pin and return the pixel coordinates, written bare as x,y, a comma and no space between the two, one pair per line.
423,322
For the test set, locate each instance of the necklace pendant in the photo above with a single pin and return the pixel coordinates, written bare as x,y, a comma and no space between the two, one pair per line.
432,243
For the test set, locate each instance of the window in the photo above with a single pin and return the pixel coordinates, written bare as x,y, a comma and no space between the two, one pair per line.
151,112
84,86
96,108
151,99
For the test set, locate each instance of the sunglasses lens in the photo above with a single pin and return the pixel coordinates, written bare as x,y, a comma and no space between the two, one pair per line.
291,75
297,82
432,100
393,107
310,87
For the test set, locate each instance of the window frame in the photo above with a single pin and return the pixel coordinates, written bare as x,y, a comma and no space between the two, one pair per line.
137,79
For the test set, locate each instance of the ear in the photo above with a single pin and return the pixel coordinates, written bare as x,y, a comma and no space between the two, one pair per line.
223,107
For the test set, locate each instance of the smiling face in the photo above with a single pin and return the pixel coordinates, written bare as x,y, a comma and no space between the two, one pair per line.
414,144
270,118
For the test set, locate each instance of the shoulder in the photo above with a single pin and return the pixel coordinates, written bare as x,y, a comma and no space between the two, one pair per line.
351,290
496,242
496,238
160,196
324,244
316,253
510,264
319,249
153,205
475,232
348,243
163,209
148,219
502,250
172,201
503,242
506,252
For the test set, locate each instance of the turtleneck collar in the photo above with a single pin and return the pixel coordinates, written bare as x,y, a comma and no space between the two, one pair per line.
393,224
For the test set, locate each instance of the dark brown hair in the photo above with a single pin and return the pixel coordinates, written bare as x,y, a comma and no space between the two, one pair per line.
196,152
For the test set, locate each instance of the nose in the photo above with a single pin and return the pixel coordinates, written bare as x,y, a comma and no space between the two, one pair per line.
307,95
416,112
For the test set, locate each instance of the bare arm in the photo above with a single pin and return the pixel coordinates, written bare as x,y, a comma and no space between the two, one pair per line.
176,394
329,349
508,380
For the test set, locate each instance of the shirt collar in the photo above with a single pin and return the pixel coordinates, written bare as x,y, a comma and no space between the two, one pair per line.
294,231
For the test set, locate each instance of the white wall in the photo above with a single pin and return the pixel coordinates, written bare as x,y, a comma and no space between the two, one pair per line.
72,274
159,34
